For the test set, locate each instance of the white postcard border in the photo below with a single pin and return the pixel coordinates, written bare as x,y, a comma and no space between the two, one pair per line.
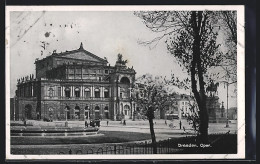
240,79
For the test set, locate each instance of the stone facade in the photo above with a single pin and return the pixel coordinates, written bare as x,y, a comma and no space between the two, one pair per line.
76,85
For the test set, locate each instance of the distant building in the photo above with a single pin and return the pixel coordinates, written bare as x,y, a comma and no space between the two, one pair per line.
232,113
178,107
76,85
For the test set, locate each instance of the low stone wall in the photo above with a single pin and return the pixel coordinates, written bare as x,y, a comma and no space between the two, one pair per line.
52,131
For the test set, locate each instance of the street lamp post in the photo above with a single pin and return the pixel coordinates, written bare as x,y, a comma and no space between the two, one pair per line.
134,113
227,83
14,107
44,110
66,113
227,124
131,106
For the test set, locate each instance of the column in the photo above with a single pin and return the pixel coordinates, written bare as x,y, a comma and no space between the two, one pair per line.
102,91
72,91
91,91
91,110
55,93
81,72
115,110
81,92
61,90
82,111
32,90
101,110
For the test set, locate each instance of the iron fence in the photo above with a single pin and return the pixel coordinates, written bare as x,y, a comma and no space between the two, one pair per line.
168,146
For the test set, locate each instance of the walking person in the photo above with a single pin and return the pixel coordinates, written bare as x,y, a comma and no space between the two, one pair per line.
124,123
86,123
24,122
107,122
180,124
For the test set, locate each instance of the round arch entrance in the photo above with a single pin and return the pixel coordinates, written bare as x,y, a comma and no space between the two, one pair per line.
106,112
77,112
125,80
97,114
28,111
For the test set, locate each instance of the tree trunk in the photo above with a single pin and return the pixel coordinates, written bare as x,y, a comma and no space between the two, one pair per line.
153,136
203,128
196,63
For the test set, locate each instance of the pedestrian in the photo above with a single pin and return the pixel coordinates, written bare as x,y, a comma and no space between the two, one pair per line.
86,123
24,122
38,115
180,124
124,123
165,122
107,122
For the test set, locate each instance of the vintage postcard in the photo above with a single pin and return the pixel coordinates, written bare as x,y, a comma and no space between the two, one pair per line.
125,82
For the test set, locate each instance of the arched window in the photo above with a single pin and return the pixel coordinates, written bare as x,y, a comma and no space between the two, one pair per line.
67,92
87,93
77,92
106,93
97,108
51,92
97,93
77,107
106,108
126,109
106,116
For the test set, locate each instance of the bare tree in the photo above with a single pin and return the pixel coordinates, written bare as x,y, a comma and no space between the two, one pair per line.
228,20
191,37
150,94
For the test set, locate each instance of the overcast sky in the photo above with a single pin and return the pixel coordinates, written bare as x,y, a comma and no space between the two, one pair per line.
105,34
